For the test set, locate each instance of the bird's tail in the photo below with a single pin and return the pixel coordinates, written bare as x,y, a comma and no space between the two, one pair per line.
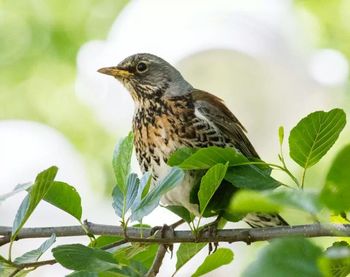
258,220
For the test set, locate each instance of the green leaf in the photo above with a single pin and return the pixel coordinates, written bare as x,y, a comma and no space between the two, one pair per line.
210,183
251,177
287,257
336,261
186,252
205,158
242,203
274,201
336,192
180,155
64,197
314,135
18,188
298,199
118,201
42,184
220,257
145,184
138,252
132,190
146,256
104,240
121,202
151,200
34,255
4,262
79,257
121,160
181,212
6,269
83,274
281,134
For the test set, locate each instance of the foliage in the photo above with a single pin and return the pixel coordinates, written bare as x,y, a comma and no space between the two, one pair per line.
287,257
134,197
318,18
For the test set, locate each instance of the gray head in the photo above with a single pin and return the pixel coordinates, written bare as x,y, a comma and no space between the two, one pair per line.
147,76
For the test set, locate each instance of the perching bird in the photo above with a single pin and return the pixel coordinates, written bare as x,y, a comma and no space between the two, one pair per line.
171,114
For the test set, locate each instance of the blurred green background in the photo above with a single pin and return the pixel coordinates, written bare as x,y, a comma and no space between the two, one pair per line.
39,41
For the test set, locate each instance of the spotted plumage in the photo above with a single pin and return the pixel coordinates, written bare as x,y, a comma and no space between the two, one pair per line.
171,114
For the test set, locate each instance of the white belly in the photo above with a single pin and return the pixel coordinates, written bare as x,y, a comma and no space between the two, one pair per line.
180,195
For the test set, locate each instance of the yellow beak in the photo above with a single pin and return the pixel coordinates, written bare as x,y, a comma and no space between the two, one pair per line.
115,71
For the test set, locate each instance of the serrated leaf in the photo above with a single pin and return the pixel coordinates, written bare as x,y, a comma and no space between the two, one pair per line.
151,200
181,212
186,252
145,184
210,183
314,135
122,203
336,261
336,191
79,257
205,158
287,257
118,201
64,197
281,134
42,184
17,189
220,257
34,255
132,190
251,177
121,160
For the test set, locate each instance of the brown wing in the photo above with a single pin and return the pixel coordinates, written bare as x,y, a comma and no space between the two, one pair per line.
214,110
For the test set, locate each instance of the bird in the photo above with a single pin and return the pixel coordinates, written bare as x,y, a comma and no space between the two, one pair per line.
171,114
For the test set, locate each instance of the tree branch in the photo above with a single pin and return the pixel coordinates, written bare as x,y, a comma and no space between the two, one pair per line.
153,271
144,235
36,264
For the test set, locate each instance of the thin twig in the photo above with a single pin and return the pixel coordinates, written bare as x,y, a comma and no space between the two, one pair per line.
153,271
226,235
177,223
114,244
36,264
17,270
303,178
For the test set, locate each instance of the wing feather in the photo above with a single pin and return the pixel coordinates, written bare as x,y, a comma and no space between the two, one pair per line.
215,111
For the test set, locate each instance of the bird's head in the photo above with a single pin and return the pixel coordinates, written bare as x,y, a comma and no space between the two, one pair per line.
147,76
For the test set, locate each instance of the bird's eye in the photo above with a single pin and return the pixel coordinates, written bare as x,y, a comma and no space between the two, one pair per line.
141,67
